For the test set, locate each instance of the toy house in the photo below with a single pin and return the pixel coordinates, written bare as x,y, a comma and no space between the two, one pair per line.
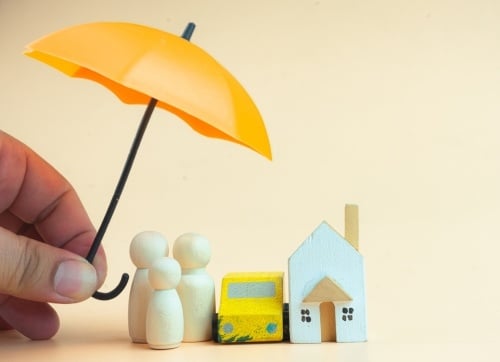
326,286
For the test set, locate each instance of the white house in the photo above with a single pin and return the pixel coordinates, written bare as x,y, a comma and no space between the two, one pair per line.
326,286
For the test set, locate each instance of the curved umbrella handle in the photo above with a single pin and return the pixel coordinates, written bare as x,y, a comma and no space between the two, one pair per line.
115,292
121,184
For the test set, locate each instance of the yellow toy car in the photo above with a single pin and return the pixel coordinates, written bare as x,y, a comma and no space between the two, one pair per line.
251,308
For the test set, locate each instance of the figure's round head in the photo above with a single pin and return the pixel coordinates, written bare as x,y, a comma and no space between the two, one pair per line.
165,273
146,247
192,251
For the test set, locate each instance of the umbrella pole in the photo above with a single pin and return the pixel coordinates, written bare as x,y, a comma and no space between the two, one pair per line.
116,197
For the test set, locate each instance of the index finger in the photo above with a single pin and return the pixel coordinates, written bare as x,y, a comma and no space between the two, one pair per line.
33,191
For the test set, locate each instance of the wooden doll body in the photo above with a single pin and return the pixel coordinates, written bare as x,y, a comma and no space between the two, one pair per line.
140,294
164,320
197,293
196,288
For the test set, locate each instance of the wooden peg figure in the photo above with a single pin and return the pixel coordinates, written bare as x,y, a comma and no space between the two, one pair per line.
164,321
145,248
196,288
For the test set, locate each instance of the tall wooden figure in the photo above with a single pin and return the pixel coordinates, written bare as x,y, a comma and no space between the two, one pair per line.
145,248
164,321
196,288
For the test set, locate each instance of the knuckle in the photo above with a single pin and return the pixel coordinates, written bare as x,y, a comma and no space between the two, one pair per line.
24,271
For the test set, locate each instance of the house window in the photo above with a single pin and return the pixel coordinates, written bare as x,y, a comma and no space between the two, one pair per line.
305,315
347,314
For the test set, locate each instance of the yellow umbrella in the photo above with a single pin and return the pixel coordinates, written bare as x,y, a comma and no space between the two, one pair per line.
143,65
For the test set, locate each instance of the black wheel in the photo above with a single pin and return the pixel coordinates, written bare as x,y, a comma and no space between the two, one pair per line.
286,322
215,327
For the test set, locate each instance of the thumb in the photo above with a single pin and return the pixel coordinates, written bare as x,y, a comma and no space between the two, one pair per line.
33,270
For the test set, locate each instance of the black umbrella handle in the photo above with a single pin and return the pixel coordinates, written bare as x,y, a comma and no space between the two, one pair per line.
121,185
115,292
114,202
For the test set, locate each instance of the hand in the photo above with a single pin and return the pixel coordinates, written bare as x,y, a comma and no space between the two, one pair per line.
44,232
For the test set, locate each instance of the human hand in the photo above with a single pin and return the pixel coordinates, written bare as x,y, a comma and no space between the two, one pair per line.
44,232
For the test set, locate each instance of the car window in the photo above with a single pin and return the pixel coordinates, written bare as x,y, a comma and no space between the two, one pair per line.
251,290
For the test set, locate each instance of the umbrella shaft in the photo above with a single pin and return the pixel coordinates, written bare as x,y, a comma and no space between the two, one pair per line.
123,180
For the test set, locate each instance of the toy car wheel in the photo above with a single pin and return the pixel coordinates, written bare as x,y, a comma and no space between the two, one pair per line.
215,327
286,322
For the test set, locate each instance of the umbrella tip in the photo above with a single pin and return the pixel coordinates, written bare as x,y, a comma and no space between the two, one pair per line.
188,31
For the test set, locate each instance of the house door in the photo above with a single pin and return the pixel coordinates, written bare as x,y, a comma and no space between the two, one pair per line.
328,326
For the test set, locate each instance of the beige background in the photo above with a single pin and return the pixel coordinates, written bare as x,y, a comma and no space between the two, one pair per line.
393,105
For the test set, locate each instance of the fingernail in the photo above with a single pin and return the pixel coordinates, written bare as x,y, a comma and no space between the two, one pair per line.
75,279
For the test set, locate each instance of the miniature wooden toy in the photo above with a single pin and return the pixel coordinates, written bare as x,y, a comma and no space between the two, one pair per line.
251,308
196,288
164,320
326,286
145,248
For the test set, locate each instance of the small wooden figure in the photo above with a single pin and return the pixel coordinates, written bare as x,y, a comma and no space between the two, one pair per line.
196,288
164,320
326,286
145,248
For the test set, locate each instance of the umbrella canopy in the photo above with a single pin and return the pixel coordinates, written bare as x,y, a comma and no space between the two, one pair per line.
145,65
138,63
